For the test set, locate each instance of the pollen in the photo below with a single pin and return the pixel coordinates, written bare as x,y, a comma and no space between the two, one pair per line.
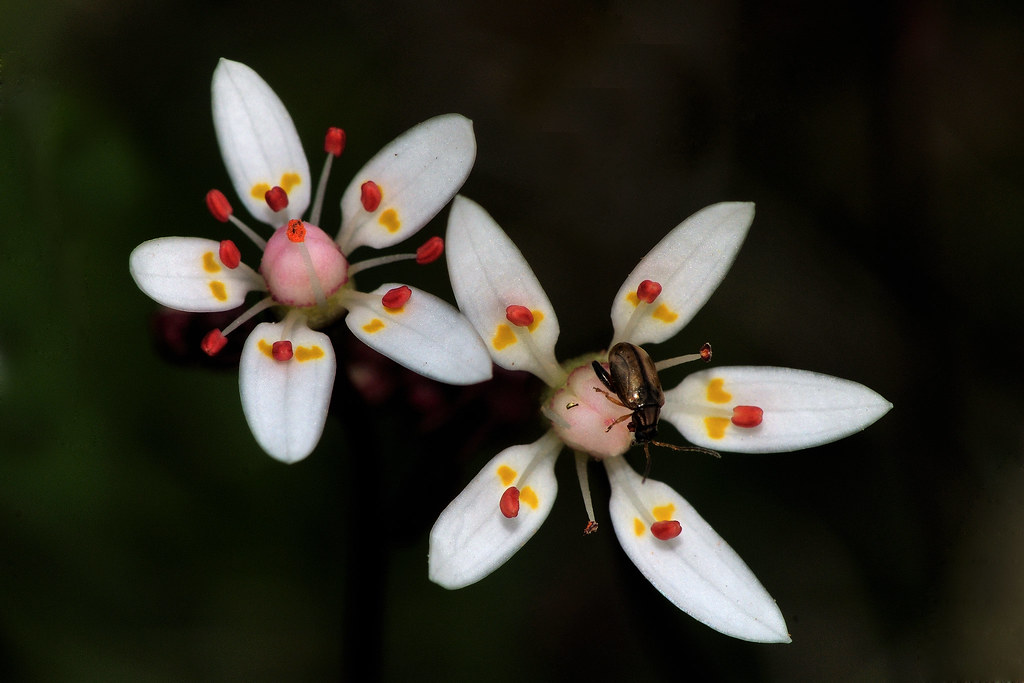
370,195
664,314
520,316
219,291
648,291
430,250
666,530
213,342
503,337
282,351
747,416
210,264
716,426
663,512
290,181
396,298
638,526
276,198
716,394
305,353
229,254
507,474
509,502
374,325
389,219
529,496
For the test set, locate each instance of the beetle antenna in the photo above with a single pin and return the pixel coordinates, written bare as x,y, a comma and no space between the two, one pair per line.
647,467
696,449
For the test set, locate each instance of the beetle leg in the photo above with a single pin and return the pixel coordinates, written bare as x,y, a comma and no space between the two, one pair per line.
624,417
614,399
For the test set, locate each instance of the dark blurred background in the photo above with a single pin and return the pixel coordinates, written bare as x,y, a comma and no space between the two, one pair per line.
145,537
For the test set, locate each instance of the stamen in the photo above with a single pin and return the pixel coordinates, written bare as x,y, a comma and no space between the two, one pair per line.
219,205
334,141
509,503
282,350
581,473
703,354
747,416
214,342
296,231
229,254
520,316
242,319
648,291
395,298
430,250
276,198
666,530
370,195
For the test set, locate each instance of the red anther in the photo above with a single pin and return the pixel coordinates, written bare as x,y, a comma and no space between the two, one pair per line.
430,250
705,352
334,141
218,205
666,530
229,254
747,416
213,342
590,528
277,198
648,291
509,503
519,316
296,230
370,195
395,298
281,350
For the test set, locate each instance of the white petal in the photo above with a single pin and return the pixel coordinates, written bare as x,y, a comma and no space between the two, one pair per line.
488,274
801,408
688,263
472,537
186,273
258,141
285,402
426,335
418,173
697,570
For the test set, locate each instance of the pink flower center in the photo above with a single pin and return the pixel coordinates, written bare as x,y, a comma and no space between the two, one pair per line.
583,414
286,261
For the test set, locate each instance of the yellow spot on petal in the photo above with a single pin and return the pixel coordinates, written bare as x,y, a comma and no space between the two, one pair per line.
219,291
210,264
716,394
259,191
266,347
507,475
389,219
663,513
632,298
664,314
290,180
374,325
537,317
503,336
304,353
639,527
529,496
716,426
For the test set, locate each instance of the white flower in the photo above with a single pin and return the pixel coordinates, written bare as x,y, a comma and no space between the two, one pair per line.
734,409
287,369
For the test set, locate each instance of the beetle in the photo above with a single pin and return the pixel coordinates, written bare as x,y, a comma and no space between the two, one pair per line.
633,379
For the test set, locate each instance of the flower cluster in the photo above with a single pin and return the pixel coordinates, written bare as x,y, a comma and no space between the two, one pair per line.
287,369
741,409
